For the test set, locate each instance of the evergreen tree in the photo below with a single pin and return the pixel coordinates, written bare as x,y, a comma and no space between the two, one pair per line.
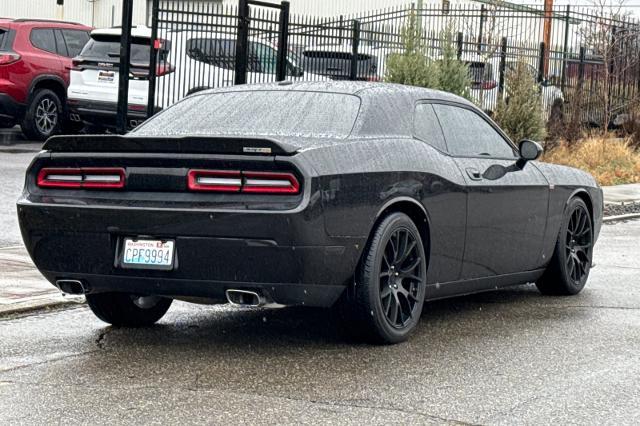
520,113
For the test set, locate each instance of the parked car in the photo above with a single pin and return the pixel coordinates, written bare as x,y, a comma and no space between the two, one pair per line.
35,58
485,77
187,62
335,61
373,196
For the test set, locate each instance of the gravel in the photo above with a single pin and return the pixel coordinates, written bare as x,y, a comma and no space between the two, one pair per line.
618,209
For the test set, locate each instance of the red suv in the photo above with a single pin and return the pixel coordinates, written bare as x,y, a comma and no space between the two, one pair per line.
35,60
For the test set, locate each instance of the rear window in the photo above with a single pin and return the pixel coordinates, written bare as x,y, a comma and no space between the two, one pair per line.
480,72
328,62
258,113
107,49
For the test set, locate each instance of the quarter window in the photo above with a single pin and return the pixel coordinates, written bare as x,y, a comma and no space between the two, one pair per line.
43,39
75,41
468,134
426,127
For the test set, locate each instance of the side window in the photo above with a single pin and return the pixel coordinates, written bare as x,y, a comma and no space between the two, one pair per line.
468,134
43,39
265,57
75,40
426,127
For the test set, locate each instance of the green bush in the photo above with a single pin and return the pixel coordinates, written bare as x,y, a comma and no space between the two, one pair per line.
453,74
520,113
414,67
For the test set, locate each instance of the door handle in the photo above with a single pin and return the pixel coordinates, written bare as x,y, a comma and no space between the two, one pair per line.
474,174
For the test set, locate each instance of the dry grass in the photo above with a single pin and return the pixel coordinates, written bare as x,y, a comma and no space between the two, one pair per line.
610,161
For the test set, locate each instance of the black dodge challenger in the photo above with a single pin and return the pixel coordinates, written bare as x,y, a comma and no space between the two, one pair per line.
371,196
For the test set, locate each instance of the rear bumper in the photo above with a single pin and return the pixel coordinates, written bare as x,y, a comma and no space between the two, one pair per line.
281,255
104,113
10,110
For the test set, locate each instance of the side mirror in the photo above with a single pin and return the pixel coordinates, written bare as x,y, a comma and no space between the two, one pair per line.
529,151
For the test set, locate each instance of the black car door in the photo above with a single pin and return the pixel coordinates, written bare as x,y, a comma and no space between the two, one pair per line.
506,205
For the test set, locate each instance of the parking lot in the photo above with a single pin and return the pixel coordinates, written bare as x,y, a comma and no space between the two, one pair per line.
504,357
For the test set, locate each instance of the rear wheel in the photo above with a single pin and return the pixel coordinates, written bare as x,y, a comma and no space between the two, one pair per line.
44,115
128,310
391,281
569,268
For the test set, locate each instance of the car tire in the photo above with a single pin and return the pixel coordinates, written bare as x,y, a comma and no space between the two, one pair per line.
390,283
128,310
44,116
568,270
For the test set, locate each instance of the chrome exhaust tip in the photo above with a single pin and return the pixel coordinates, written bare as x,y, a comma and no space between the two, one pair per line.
245,298
72,286
75,117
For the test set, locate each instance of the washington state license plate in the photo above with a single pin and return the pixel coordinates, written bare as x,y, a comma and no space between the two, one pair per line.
147,254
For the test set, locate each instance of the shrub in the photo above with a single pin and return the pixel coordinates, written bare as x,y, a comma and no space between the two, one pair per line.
412,66
453,74
610,161
520,113
415,68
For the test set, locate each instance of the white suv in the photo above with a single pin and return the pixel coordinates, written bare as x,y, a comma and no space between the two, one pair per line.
187,62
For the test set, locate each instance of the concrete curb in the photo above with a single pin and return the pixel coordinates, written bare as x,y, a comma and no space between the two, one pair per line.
43,304
617,218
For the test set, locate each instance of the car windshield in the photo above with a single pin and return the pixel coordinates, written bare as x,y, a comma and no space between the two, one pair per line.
3,36
480,72
258,113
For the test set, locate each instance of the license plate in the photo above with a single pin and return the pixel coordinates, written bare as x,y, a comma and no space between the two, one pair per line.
106,76
148,254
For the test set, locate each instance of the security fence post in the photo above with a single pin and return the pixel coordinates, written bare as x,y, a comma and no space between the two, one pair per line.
281,62
242,47
125,58
153,57
355,41
503,64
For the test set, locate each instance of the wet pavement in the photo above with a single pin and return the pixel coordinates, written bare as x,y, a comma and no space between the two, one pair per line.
505,357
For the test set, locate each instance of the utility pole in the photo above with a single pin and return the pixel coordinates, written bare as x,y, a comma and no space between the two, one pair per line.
546,35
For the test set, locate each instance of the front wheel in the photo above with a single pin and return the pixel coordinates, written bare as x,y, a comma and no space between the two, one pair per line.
391,282
128,310
569,268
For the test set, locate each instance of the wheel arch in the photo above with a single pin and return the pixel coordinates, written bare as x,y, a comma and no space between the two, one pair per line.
416,212
51,82
584,196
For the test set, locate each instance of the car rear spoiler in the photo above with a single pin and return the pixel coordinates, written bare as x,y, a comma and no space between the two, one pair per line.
180,145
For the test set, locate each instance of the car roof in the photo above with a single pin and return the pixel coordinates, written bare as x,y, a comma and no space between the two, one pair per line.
359,88
387,108
47,23
138,31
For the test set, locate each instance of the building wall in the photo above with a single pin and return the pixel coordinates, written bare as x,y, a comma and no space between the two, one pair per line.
97,13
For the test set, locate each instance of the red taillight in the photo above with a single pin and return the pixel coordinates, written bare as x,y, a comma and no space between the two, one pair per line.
85,178
488,85
164,69
8,58
270,183
248,182
215,180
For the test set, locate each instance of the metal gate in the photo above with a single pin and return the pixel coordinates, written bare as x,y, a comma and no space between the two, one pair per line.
202,45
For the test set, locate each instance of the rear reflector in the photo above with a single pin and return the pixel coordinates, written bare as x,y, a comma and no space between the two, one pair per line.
215,180
270,183
240,181
85,178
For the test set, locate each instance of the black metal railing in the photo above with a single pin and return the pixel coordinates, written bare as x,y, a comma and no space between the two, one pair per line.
572,52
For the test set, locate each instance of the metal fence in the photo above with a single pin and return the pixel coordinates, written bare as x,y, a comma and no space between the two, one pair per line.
579,57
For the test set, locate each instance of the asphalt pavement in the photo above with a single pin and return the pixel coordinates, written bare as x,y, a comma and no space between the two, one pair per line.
505,357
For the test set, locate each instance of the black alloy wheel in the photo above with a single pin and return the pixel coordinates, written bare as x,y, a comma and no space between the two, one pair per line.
569,268
400,278
390,284
578,244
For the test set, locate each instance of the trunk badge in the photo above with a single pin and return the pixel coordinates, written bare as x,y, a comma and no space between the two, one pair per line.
256,150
